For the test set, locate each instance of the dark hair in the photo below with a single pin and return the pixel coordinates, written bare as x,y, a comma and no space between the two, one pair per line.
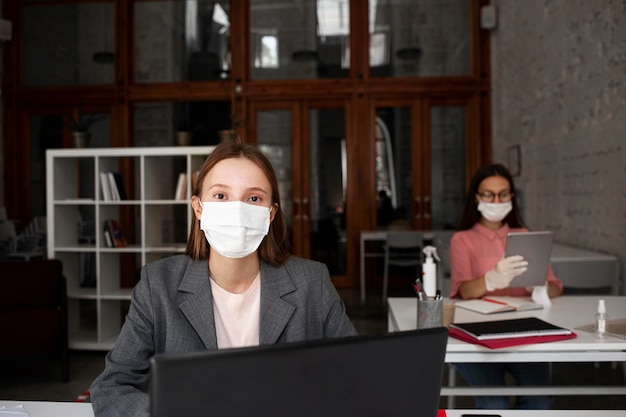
274,248
471,215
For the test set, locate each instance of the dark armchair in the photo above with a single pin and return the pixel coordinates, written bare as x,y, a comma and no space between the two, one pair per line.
33,311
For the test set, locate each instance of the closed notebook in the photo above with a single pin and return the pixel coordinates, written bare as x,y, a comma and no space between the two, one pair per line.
513,341
512,328
499,304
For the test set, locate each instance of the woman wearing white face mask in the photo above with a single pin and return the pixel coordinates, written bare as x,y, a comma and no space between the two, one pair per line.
479,268
237,284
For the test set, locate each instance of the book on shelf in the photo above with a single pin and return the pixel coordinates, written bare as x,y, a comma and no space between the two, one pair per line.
115,194
181,187
112,184
121,185
498,304
105,186
113,235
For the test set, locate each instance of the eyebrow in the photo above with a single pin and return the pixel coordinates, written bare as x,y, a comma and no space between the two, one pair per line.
496,192
257,189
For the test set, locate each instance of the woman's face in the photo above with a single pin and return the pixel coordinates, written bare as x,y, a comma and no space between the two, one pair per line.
235,179
493,187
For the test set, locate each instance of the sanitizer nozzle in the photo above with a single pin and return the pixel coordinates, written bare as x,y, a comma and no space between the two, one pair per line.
430,252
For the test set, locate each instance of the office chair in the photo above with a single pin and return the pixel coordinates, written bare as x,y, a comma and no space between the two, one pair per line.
402,249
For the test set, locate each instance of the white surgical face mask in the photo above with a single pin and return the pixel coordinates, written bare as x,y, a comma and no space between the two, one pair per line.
495,212
233,228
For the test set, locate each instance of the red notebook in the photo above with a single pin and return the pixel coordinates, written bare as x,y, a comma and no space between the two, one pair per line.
512,341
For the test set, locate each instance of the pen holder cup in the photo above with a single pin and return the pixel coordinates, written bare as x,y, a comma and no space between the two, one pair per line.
429,313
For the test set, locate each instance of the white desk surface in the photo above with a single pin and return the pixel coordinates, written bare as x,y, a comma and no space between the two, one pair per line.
71,409
539,413
565,253
52,408
566,311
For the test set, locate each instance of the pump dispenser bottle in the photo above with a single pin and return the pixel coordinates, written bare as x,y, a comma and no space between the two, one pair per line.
602,320
429,271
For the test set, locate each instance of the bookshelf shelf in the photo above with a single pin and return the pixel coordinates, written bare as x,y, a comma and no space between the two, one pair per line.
156,225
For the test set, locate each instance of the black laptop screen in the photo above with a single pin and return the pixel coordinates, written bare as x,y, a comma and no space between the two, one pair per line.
396,374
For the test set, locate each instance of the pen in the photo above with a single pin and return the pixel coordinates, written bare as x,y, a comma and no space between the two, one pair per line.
418,292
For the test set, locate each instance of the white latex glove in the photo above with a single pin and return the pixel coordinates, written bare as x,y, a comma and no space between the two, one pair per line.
504,272
540,295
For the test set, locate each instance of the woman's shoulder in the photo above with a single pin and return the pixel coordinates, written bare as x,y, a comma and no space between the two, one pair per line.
296,263
297,268
170,262
459,234
172,267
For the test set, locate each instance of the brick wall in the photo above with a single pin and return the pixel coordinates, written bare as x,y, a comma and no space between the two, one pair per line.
559,92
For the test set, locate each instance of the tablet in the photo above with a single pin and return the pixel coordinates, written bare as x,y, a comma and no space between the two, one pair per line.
536,248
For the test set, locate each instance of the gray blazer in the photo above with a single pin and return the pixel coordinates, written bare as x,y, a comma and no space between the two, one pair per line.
172,311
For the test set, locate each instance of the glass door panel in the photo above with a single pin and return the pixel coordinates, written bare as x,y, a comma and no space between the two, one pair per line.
447,154
68,44
394,167
418,38
327,176
304,39
306,145
181,41
420,165
273,135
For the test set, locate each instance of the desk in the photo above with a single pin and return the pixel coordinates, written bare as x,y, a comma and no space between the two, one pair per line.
574,266
540,413
565,260
566,311
52,409
55,409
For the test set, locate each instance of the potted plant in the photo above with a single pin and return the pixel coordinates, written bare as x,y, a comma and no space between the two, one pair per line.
79,127
183,132
230,133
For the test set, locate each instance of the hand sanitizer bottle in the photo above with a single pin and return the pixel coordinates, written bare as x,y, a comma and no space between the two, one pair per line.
429,271
602,320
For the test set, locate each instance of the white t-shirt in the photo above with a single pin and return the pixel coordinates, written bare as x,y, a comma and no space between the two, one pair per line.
237,316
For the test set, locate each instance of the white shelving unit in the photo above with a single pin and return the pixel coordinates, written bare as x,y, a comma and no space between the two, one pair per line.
97,300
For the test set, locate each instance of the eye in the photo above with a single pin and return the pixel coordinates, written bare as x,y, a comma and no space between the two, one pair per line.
255,199
219,196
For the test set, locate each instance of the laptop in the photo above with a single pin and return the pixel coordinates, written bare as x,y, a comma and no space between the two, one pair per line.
395,374
536,248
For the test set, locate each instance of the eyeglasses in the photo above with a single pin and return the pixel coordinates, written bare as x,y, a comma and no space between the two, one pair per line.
489,197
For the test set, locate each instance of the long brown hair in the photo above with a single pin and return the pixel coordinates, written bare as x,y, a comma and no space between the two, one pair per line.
471,215
274,248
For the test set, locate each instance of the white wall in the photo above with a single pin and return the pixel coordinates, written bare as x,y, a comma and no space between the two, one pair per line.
559,91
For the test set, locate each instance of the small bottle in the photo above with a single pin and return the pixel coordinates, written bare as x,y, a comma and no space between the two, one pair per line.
602,320
429,271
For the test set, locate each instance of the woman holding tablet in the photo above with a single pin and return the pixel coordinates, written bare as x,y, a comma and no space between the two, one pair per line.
479,268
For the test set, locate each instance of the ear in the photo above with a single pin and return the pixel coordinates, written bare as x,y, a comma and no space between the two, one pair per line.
197,207
275,208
